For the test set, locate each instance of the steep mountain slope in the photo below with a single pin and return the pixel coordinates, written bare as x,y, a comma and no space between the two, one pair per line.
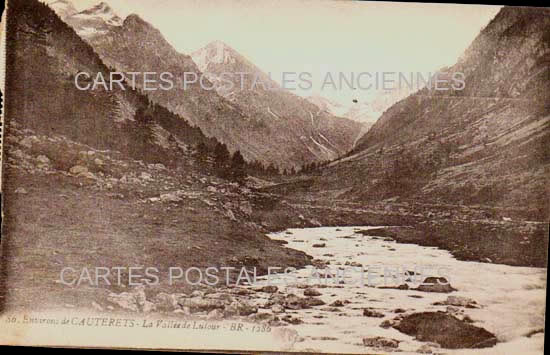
95,21
259,96
487,144
62,8
44,55
292,137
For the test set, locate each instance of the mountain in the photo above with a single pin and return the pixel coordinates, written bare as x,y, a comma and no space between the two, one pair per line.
359,111
273,128
323,134
486,144
95,21
45,55
63,8
334,108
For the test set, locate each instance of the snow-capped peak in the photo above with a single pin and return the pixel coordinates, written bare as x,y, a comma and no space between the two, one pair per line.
62,8
215,52
101,12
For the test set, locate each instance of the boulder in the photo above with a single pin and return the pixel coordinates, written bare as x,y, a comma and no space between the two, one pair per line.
435,284
277,309
199,304
446,330
380,342
166,302
319,245
269,289
133,301
311,292
292,320
369,312
458,301
427,348
292,301
240,308
215,314
313,301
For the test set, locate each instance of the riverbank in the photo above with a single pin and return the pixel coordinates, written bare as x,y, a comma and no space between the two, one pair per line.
472,233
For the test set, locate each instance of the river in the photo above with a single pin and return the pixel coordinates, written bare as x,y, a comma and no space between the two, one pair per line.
511,299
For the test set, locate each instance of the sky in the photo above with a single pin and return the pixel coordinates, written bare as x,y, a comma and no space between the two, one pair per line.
318,36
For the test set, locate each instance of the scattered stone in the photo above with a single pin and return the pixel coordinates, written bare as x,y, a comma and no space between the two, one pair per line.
369,312
166,302
337,303
311,292
133,301
242,291
313,301
199,304
388,323
380,342
458,301
215,314
197,293
264,317
453,309
78,169
146,176
400,287
277,309
294,302
445,330
292,320
427,348
240,308
269,289
43,159
435,284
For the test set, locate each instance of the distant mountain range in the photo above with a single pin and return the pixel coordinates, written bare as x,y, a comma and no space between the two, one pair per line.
268,126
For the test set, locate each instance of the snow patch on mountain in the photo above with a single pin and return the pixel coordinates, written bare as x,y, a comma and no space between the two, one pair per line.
62,8
215,52
100,12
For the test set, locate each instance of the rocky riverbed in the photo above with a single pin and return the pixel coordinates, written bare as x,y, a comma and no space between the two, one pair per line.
366,293
507,301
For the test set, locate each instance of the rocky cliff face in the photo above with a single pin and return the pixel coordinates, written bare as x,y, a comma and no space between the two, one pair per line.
277,128
486,144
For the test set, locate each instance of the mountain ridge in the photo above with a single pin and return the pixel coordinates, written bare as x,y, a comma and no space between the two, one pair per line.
255,131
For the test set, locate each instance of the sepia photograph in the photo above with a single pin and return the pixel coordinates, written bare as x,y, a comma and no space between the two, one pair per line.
275,176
